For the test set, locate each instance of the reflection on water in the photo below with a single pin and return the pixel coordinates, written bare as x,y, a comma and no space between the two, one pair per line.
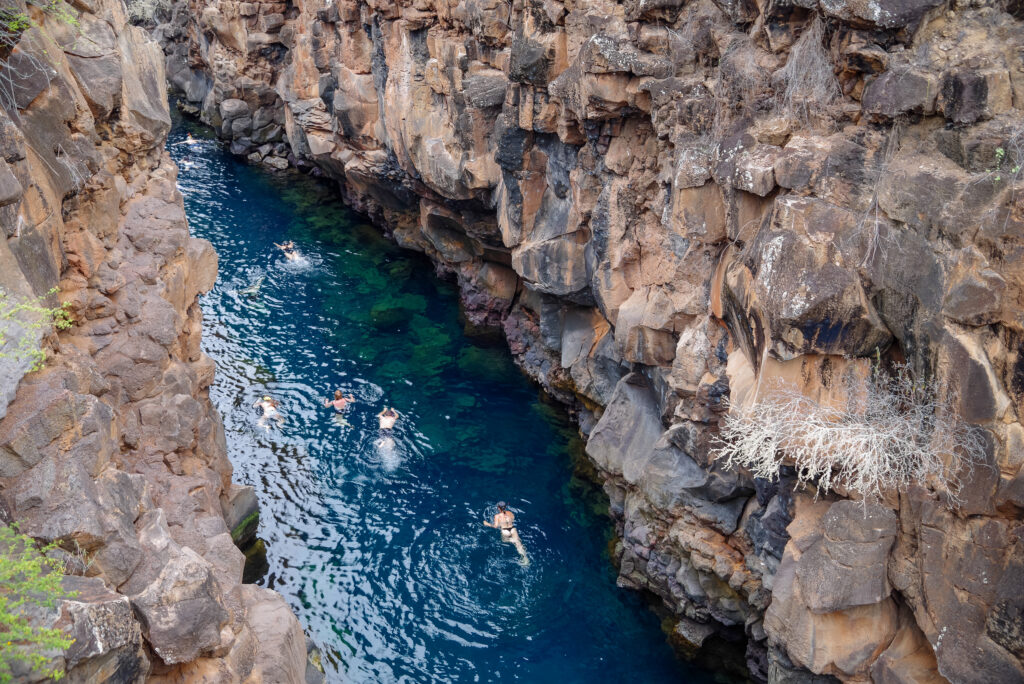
376,540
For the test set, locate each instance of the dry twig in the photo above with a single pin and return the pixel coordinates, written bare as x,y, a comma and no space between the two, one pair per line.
894,432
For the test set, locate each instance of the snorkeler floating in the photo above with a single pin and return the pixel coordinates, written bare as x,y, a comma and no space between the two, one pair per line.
339,402
270,411
189,140
289,250
387,419
504,520
253,289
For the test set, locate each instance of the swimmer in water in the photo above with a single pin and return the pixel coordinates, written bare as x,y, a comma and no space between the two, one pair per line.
189,140
270,412
253,289
339,402
289,250
186,158
387,419
504,520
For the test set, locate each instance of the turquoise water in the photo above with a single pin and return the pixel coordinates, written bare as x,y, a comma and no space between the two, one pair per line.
378,544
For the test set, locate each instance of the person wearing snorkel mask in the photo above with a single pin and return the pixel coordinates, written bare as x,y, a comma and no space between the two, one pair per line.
289,249
270,411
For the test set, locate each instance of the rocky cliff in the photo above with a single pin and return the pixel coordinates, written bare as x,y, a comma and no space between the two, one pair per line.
671,206
113,448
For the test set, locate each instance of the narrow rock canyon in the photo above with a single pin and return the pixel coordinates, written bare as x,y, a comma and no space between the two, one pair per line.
669,207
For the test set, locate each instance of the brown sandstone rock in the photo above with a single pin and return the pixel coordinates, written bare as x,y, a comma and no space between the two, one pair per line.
815,632
799,278
847,567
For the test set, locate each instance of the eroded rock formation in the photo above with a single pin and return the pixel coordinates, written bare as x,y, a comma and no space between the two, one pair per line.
668,205
113,448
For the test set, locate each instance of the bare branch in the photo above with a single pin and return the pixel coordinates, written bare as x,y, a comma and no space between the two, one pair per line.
891,432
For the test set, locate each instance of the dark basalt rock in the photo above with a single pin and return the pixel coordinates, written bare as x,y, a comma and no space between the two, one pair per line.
898,92
964,96
653,229
529,62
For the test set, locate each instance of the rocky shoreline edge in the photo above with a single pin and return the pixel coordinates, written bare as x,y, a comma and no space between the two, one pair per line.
113,450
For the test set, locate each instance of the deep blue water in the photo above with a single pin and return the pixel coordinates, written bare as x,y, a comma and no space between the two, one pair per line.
379,546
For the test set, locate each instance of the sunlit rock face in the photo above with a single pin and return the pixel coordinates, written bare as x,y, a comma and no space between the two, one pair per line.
667,204
113,449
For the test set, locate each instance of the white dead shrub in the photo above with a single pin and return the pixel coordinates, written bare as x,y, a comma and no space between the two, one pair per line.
146,12
893,432
808,82
743,88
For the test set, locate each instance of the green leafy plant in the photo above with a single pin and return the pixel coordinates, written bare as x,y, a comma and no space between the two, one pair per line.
29,315
60,10
28,579
1001,164
13,21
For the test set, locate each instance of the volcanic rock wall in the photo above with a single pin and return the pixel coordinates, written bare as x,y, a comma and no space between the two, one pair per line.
113,449
669,205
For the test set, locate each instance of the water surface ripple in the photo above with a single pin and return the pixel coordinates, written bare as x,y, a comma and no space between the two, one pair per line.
377,544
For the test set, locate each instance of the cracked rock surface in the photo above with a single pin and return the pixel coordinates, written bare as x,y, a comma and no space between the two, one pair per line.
668,206
113,449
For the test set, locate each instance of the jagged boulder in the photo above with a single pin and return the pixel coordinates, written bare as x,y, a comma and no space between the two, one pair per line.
628,430
630,441
108,645
847,566
797,283
281,651
181,612
845,641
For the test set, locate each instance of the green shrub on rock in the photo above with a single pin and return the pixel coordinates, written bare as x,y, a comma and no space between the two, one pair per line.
20,319
29,580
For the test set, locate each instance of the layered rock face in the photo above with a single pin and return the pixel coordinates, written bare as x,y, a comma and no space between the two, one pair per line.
670,206
113,448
